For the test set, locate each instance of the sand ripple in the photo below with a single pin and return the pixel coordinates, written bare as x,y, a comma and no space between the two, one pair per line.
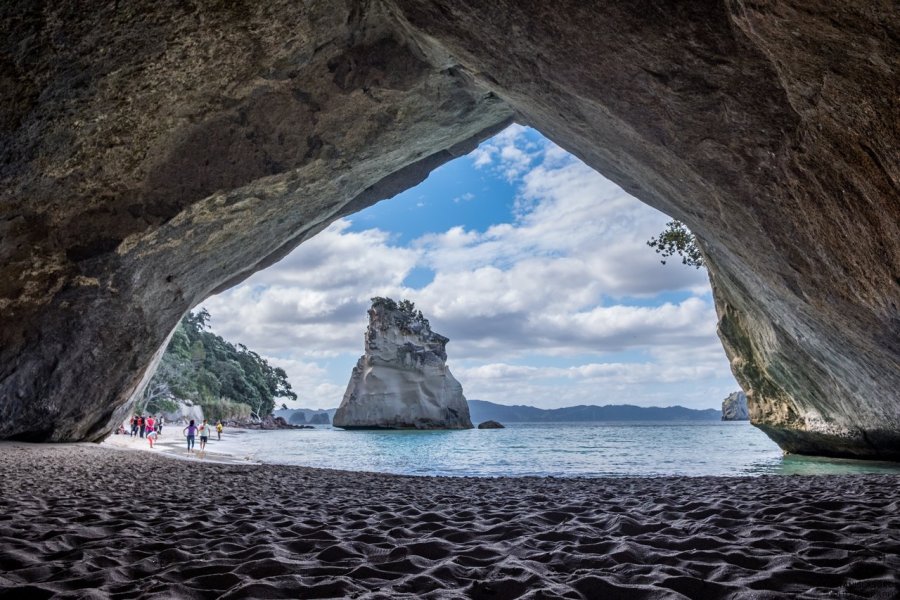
80,521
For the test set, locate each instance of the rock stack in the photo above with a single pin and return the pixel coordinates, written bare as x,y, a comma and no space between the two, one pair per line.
734,407
402,381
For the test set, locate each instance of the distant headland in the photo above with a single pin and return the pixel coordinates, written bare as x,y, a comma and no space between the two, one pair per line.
482,410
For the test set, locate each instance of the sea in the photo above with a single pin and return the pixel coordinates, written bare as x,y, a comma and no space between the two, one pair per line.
630,449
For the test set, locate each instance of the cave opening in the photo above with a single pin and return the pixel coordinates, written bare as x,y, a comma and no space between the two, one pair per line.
535,266
194,176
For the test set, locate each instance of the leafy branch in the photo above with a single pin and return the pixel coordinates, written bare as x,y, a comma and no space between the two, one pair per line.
677,239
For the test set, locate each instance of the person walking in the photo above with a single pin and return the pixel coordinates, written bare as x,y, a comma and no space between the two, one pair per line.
141,425
204,434
190,432
219,428
150,424
134,425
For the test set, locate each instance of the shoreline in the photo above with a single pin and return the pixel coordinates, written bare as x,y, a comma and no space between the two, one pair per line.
172,444
252,445
80,520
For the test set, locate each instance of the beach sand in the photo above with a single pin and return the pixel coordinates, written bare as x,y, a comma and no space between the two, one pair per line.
172,443
88,521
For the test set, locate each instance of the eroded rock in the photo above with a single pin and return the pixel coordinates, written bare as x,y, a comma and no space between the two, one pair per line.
155,155
152,155
402,381
734,407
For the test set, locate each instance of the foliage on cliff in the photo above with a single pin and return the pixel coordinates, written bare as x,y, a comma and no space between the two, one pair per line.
405,311
676,238
228,381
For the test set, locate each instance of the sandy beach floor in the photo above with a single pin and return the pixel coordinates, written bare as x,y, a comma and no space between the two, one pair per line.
87,521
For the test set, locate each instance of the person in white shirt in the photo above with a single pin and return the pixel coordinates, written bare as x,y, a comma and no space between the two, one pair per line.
204,432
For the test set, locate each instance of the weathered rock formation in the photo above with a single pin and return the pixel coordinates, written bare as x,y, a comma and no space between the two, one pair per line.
185,411
320,418
734,407
491,425
303,416
269,422
402,381
153,154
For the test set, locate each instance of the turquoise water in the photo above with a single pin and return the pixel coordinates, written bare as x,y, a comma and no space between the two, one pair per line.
640,449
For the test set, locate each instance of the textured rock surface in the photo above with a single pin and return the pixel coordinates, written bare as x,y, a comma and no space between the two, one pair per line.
402,381
491,425
734,407
152,155
184,413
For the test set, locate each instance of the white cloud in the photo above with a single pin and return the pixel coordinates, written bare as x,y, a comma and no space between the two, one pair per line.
570,211
316,298
509,153
674,380
593,373
309,381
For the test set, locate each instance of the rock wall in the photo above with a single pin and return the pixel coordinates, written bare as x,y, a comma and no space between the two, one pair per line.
185,413
734,407
152,155
402,381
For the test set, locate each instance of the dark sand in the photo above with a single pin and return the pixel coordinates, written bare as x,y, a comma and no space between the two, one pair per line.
82,521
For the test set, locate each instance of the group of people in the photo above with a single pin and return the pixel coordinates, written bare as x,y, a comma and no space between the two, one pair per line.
203,431
149,427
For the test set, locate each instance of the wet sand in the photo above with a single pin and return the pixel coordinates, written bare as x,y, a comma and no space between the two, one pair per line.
85,521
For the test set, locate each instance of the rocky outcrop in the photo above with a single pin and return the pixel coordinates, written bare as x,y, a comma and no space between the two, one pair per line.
402,381
302,416
154,154
267,423
320,418
491,425
184,412
734,407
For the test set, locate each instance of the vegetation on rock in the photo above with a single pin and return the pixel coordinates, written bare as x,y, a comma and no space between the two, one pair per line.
405,309
676,238
227,381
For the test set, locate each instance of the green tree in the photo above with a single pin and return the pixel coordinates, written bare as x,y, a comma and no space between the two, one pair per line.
676,238
228,381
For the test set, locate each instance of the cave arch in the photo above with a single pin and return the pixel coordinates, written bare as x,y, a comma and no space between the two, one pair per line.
159,156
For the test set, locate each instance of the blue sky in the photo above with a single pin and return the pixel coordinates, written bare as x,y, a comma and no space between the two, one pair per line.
536,268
